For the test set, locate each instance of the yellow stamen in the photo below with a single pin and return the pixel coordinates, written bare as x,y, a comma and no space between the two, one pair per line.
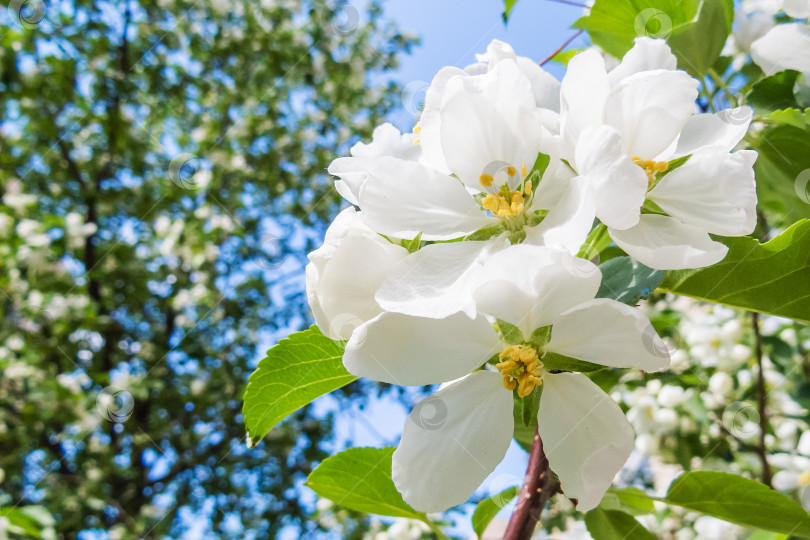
486,179
511,170
417,141
524,170
417,128
527,188
651,167
520,368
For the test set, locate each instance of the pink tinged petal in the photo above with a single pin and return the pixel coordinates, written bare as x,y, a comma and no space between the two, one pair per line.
403,198
585,436
341,293
437,280
607,332
529,286
617,184
722,130
650,108
784,47
714,190
583,93
452,441
388,141
647,54
568,222
415,351
665,243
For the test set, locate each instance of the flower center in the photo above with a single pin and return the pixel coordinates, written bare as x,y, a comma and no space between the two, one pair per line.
506,202
417,129
651,167
521,369
804,479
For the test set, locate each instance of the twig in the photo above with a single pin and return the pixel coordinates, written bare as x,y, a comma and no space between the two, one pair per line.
762,450
538,487
561,47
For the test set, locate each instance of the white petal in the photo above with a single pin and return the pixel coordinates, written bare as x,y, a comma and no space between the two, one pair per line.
714,190
431,117
647,54
785,46
785,480
665,243
585,436
402,198
583,93
798,9
479,136
452,441
650,108
436,281
722,130
528,286
388,141
568,222
607,332
415,351
618,185
341,292
545,87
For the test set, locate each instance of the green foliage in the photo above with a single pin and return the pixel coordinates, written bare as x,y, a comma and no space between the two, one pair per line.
489,508
773,93
626,280
739,500
615,525
695,30
301,368
630,500
360,479
507,8
783,165
769,278
163,176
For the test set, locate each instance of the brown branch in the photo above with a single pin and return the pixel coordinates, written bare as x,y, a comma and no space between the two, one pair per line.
561,47
538,487
762,450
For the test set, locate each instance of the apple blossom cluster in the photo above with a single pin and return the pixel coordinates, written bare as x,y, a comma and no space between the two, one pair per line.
464,257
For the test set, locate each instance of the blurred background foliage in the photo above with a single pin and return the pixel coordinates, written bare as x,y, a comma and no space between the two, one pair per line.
162,177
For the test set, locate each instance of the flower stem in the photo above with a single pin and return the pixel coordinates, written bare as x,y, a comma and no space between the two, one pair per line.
538,487
436,530
762,449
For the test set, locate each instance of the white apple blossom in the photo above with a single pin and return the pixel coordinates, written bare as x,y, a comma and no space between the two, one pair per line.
340,288
621,130
786,46
549,296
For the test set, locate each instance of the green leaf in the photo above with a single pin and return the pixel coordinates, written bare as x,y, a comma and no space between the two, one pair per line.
557,362
774,92
531,404
695,29
627,280
783,167
486,233
523,434
739,500
299,369
507,8
511,333
615,525
539,167
413,245
360,479
698,45
630,500
489,508
771,278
